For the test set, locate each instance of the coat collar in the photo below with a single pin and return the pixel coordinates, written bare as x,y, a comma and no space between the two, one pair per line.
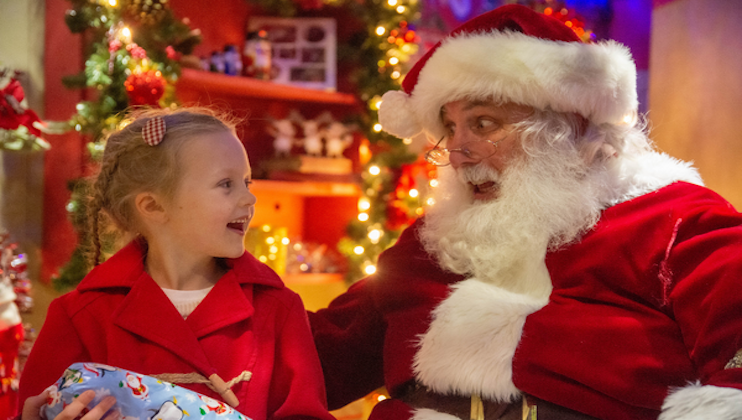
124,268
229,302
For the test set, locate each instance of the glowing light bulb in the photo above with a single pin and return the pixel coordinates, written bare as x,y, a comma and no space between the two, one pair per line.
374,235
364,204
377,127
363,217
393,60
414,193
380,30
370,269
126,34
358,250
374,170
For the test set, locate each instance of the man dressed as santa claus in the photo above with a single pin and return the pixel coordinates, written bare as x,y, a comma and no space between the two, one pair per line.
566,269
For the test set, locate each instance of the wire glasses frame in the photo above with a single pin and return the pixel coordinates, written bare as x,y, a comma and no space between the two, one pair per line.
474,150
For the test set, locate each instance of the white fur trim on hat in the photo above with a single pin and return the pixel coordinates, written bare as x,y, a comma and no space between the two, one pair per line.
697,402
471,341
397,112
597,81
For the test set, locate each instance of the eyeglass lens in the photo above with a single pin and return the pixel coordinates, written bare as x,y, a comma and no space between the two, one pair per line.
472,150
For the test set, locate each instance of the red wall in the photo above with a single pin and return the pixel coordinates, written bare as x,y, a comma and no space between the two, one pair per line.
62,56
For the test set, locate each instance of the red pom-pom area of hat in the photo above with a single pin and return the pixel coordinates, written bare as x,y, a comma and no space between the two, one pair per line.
396,115
145,88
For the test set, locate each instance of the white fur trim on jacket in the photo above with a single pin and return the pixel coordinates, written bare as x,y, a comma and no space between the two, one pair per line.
470,345
697,402
597,80
647,172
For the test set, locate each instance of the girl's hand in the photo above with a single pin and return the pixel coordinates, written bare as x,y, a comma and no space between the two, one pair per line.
33,405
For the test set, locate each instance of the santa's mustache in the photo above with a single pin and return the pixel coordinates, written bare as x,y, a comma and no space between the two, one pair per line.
478,174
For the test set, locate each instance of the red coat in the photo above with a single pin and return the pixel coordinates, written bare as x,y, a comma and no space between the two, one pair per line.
648,300
249,321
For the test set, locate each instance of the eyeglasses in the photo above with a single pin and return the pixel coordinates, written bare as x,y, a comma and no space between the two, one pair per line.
474,150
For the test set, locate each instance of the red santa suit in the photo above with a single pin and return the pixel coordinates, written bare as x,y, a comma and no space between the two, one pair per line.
249,326
646,302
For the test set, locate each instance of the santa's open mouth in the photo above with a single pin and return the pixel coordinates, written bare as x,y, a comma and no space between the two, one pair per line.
485,187
239,225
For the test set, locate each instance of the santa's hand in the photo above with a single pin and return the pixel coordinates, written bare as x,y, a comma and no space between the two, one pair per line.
32,407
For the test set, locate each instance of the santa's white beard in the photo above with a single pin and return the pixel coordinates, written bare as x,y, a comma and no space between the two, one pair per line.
544,202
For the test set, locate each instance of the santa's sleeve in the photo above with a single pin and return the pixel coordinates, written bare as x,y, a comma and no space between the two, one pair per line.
349,336
56,347
703,282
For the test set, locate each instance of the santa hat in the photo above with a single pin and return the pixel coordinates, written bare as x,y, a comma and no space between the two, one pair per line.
514,54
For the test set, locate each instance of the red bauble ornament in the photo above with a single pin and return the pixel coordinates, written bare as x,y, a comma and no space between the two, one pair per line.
145,88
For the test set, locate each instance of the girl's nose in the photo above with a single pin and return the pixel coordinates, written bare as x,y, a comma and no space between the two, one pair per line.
249,198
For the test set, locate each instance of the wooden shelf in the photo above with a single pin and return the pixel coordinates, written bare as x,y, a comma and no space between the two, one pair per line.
216,84
306,189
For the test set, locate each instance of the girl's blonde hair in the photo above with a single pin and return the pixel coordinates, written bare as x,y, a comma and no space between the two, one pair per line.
130,166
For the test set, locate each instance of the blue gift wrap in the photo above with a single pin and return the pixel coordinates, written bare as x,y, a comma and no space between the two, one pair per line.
138,397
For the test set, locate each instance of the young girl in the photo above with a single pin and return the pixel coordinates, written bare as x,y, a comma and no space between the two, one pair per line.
183,301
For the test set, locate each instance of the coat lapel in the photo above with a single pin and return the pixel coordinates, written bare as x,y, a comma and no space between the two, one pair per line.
226,304
148,313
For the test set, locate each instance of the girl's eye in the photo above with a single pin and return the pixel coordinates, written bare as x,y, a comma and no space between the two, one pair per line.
226,184
248,182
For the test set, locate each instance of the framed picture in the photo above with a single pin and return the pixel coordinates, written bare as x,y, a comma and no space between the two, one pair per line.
303,50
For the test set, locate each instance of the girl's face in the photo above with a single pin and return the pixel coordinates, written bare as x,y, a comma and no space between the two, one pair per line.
213,205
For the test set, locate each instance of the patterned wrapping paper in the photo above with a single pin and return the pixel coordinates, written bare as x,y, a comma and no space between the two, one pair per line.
138,397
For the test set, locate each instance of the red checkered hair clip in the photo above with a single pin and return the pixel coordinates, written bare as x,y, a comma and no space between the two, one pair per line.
154,131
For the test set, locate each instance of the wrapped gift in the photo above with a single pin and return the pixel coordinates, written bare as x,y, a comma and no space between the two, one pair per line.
137,396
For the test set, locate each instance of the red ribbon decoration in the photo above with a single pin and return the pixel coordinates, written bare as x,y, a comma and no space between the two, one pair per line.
12,114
